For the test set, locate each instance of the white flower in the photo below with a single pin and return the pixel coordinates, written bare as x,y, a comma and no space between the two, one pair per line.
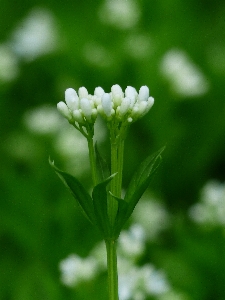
132,242
211,208
99,91
80,108
71,99
185,78
117,94
76,269
143,93
83,93
124,107
131,93
64,110
78,117
107,104
86,108
36,35
127,108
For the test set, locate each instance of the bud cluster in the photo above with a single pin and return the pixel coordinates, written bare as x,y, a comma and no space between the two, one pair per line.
123,107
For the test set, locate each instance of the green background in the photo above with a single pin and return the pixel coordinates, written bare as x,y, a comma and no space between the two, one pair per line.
39,221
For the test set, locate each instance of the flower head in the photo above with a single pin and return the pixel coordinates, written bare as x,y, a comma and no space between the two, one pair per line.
127,107
80,108
123,107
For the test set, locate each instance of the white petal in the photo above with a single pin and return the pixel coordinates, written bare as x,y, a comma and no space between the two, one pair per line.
117,95
78,116
116,90
71,99
86,108
107,104
125,105
143,93
99,91
150,102
142,107
131,92
83,93
64,110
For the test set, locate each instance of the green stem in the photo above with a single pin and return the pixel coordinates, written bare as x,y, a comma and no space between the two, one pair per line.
92,160
120,152
112,269
113,205
117,150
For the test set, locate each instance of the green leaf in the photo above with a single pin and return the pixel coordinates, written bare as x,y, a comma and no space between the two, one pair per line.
136,188
103,169
99,196
122,210
78,191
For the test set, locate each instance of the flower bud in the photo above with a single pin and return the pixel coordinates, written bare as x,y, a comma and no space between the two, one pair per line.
107,104
116,90
86,108
83,93
99,92
142,108
130,92
125,105
71,99
64,110
117,95
143,93
150,102
77,115
94,114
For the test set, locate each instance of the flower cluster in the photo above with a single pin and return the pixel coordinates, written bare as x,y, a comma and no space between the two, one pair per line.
211,208
123,107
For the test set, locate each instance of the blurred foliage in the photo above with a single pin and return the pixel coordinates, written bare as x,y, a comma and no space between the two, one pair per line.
40,223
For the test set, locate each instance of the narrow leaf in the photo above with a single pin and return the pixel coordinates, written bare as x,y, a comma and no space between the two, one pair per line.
78,191
99,196
137,187
103,169
121,214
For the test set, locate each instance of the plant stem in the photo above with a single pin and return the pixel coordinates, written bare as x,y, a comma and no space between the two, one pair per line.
117,149
92,160
112,269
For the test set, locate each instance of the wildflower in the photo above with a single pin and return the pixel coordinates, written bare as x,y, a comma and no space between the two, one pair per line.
79,107
127,107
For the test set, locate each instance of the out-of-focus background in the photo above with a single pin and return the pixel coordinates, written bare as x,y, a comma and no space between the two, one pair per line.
174,246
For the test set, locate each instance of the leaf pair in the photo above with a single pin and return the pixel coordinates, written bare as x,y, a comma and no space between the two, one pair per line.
95,207
136,188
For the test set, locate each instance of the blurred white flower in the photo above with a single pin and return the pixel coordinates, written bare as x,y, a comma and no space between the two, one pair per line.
185,78
135,282
42,120
123,14
8,64
75,269
152,216
138,282
132,242
211,208
36,35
